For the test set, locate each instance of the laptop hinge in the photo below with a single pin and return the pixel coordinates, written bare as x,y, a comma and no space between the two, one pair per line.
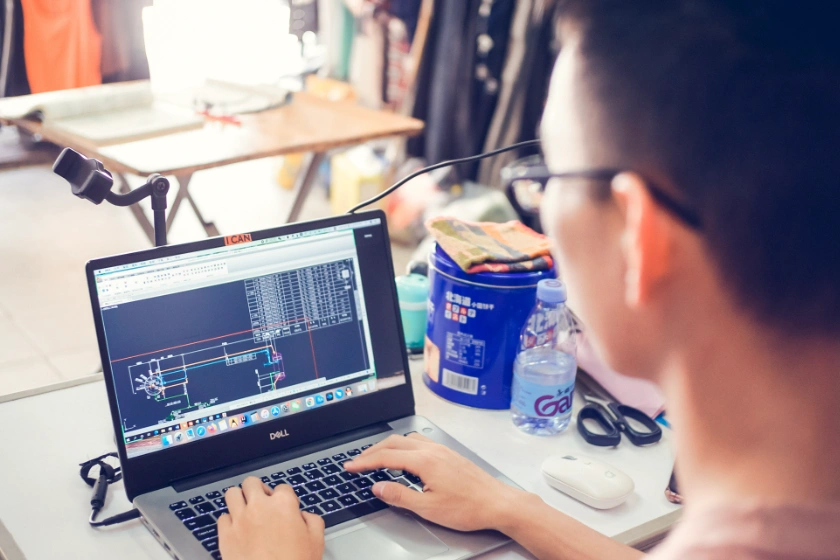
210,477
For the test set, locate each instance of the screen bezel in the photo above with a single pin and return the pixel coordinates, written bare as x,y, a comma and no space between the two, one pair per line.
161,468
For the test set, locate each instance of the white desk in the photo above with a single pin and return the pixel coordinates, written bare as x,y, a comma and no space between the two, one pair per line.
45,506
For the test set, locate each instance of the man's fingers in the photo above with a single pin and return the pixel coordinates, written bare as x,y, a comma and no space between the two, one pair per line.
235,500
285,495
408,460
253,488
396,494
224,523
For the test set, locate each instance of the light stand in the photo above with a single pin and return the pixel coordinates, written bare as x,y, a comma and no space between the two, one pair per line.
90,180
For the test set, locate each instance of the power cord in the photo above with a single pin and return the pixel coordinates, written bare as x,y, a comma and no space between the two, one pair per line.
108,474
447,163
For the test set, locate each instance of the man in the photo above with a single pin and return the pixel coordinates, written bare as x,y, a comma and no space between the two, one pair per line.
710,264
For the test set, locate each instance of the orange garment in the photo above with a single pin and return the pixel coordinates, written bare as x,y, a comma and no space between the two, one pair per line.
61,44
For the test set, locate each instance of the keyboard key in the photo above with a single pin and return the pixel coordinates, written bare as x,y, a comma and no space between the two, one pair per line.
411,432
347,500
324,461
314,475
220,512
363,483
211,544
196,500
413,479
226,488
339,457
313,509
353,512
330,469
354,452
177,505
365,495
341,463
349,476
315,486
329,481
296,480
368,446
301,491
278,475
293,470
329,494
206,507
380,476
309,466
394,472
275,483
220,502
205,532
213,495
216,555
330,506
265,479
310,500
403,481
346,488
205,520
185,513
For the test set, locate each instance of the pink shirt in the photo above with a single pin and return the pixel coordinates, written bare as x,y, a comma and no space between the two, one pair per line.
755,532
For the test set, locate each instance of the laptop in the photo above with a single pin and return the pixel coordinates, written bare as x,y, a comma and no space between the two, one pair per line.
277,354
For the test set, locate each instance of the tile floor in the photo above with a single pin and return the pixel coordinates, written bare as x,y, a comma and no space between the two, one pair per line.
47,235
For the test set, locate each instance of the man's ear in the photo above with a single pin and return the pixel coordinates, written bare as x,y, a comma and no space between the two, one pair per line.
645,241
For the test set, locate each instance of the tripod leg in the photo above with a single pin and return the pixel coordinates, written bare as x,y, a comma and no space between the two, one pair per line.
184,187
139,215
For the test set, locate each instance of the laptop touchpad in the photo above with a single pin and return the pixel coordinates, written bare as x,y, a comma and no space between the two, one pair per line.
393,535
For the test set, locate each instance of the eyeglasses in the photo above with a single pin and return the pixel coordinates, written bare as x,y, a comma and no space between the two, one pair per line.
527,178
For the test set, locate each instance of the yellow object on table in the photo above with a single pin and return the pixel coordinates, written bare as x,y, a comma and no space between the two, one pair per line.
357,175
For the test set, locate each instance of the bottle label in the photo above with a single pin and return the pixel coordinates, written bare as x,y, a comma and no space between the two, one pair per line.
544,401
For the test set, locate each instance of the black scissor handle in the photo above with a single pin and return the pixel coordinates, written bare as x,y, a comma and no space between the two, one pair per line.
652,432
611,436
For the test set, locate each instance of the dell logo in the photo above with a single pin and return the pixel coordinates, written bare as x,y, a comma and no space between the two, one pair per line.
277,435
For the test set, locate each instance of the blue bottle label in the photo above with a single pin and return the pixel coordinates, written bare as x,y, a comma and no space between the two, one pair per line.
544,401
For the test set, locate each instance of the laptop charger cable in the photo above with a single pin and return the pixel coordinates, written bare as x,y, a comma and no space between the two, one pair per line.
108,475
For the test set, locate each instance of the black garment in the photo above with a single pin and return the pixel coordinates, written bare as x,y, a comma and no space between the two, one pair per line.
459,77
408,11
16,82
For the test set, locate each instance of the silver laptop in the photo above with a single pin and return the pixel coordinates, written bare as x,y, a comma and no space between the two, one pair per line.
277,354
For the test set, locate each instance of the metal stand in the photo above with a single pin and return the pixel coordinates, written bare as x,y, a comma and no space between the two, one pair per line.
90,180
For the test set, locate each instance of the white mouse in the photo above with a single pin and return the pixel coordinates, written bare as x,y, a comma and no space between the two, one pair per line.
596,484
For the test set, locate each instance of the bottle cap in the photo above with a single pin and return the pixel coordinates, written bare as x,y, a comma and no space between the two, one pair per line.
551,291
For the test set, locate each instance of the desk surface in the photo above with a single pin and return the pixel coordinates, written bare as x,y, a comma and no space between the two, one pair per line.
307,124
45,507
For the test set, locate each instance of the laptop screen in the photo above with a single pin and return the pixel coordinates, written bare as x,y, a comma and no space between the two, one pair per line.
218,340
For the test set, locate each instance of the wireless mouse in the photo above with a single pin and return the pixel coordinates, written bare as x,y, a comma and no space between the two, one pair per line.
592,482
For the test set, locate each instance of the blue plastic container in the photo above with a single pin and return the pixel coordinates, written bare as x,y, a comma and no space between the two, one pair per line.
472,331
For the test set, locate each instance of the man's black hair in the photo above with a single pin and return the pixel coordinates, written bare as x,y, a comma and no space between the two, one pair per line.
737,105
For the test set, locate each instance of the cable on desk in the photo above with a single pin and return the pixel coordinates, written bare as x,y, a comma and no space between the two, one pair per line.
108,474
447,163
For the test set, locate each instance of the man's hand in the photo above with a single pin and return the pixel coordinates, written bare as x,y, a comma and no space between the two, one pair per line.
266,525
457,493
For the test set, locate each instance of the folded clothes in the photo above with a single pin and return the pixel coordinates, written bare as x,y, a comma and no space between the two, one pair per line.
492,247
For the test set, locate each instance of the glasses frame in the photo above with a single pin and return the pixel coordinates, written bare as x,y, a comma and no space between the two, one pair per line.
539,173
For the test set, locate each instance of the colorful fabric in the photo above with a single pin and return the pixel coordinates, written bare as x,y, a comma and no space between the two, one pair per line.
492,247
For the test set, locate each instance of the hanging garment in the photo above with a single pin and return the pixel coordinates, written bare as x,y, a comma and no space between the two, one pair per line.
120,24
61,44
13,79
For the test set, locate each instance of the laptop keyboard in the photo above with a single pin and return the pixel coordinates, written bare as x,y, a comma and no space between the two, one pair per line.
323,488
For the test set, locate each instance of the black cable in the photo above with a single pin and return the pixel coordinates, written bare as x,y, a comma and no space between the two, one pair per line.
447,163
108,474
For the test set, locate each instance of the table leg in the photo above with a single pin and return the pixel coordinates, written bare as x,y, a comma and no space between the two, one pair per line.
303,183
184,187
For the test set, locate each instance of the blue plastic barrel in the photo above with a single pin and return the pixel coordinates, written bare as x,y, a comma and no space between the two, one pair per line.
472,331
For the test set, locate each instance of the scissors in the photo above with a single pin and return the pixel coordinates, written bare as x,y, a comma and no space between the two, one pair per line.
612,417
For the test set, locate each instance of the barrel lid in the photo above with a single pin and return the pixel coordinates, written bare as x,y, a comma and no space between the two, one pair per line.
413,288
442,262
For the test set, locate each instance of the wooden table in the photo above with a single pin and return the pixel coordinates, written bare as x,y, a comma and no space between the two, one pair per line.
308,124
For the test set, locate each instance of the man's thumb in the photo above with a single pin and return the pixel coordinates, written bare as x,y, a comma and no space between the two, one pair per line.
396,494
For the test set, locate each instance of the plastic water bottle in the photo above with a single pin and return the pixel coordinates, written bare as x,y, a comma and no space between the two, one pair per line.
545,367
